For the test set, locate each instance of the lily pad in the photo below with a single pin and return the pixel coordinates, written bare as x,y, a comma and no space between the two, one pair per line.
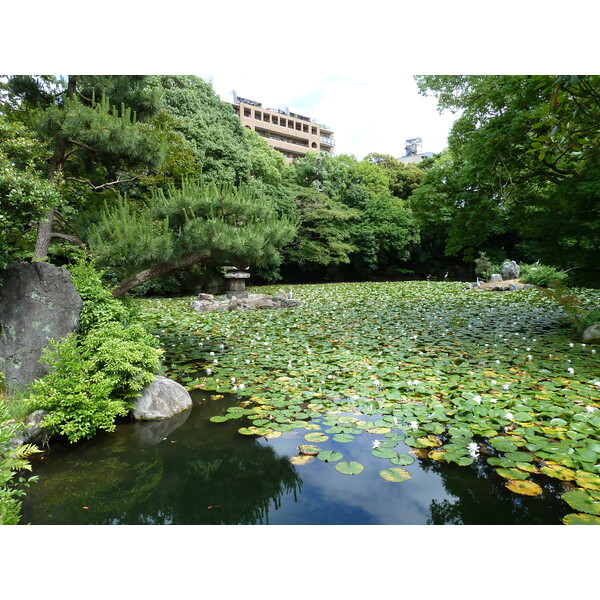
316,437
558,472
301,459
403,459
512,474
581,519
219,419
395,475
309,450
582,501
384,452
526,488
349,468
343,437
330,456
589,481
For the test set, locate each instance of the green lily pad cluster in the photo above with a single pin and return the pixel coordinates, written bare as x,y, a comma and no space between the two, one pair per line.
458,376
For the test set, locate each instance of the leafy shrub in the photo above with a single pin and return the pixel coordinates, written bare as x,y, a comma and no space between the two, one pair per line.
542,275
92,377
99,307
484,267
12,460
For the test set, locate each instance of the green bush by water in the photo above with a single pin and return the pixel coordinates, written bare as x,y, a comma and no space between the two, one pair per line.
94,374
543,275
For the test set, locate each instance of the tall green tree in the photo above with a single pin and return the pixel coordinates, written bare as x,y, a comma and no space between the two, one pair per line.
92,139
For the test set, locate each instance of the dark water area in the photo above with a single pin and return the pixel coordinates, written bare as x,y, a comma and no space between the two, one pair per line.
190,471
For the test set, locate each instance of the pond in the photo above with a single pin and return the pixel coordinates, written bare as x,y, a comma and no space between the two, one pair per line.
190,471
377,403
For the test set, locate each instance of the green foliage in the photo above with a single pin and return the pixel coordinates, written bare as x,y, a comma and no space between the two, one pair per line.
24,192
199,223
92,378
12,460
99,307
542,275
484,267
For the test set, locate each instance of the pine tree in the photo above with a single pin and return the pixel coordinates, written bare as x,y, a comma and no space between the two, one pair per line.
201,222
88,136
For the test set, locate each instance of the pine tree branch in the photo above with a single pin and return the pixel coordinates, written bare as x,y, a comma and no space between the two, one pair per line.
103,185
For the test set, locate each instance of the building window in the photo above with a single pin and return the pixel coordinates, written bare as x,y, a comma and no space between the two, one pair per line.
313,130
291,124
298,127
282,122
275,120
247,112
266,118
314,145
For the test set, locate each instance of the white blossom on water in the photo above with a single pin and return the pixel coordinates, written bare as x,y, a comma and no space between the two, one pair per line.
413,425
509,416
376,444
473,448
571,370
477,399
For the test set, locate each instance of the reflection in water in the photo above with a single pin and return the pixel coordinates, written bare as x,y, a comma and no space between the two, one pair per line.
189,471
162,473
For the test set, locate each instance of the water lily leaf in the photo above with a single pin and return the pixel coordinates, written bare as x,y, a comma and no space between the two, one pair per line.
403,459
219,419
309,449
582,501
247,430
581,519
528,467
512,474
395,475
343,437
349,468
586,480
431,441
435,455
519,456
384,452
316,437
330,456
379,430
526,488
558,472
273,434
301,459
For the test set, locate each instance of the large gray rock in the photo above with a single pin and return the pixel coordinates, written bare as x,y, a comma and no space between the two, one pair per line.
510,270
38,302
591,334
161,399
33,432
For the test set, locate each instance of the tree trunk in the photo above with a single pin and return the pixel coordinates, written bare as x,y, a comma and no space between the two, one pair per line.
57,162
153,272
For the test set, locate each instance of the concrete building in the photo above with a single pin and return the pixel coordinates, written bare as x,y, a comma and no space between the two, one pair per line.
291,134
413,152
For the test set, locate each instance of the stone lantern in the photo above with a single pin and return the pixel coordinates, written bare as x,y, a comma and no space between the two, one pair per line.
235,282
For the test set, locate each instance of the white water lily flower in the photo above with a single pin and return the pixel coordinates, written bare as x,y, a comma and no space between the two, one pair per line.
208,371
241,386
571,370
477,399
395,419
529,357
509,416
493,382
571,345
413,425
505,386
376,444
473,448
590,409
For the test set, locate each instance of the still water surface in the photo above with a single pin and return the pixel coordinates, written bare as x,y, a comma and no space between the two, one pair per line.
189,471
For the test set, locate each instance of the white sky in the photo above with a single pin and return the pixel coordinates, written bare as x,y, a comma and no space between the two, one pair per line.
348,65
